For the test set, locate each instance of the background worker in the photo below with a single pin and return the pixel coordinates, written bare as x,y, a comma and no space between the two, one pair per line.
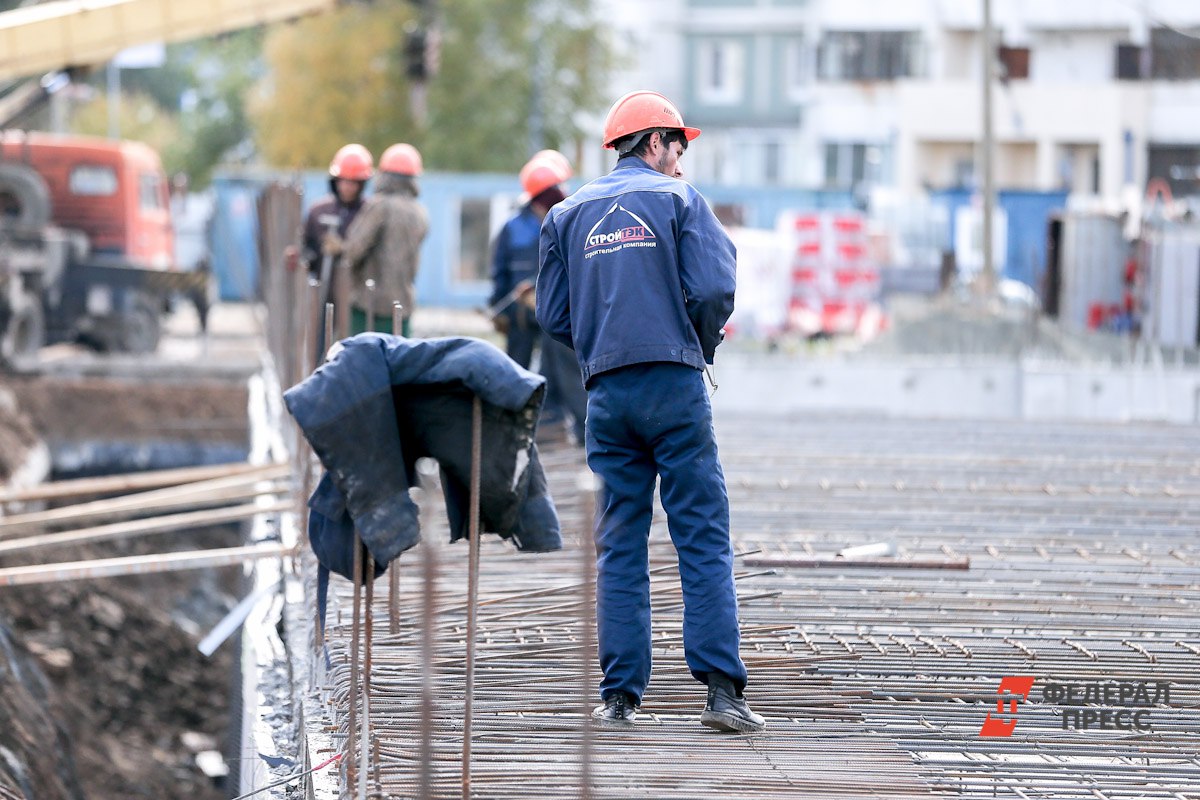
383,245
514,272
637,275
330,217
327,221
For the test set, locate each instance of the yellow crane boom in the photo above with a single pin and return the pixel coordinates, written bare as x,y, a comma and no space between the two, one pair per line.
74,33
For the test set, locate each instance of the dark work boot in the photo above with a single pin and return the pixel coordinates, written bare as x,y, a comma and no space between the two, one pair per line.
726,709
619,709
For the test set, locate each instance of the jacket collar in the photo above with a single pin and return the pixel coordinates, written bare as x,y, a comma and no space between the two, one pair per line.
633,162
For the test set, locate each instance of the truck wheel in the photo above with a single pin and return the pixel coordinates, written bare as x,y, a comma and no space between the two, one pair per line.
26,329
24,198
140,327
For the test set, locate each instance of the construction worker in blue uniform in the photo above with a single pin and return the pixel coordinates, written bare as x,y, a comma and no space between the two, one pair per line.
514,271
637,276
515,264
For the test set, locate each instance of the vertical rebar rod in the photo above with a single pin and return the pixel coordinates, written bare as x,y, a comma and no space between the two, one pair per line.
987,145
306,363
355,640
369,311
328,332
368,626
472,591
587,566
368,599
394,572
426,469
341,295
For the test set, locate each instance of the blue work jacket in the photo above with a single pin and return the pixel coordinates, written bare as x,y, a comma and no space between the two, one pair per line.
635,268
515,256
346,411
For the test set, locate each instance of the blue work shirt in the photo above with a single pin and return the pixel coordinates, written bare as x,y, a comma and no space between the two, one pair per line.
635,268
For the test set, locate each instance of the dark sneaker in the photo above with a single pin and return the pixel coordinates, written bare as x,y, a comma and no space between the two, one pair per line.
618,709
726,709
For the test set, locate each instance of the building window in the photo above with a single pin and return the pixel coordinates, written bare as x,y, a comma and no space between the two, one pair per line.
772,163
868,55
1179,166
849,165
473,239
964,173
1131,62
1014,63
795,68
93,180
151,193
720,71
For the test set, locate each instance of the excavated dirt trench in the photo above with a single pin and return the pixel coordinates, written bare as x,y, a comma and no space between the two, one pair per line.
104,694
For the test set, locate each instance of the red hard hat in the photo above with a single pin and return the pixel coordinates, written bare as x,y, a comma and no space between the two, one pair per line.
547,168
402,159
642,111
557,159
352,162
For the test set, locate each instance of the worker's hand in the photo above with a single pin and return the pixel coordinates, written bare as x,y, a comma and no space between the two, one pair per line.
291,258
526,295
332,244
500,324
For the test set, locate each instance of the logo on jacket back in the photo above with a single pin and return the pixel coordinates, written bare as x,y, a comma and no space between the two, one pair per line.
617,229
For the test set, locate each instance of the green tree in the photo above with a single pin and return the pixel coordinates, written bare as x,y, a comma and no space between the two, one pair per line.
329,82
142,119
341,77
203,85
215,121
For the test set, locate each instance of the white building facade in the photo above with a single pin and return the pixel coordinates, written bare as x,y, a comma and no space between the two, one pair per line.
1093,96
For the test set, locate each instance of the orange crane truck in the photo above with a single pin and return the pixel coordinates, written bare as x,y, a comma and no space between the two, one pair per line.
86,244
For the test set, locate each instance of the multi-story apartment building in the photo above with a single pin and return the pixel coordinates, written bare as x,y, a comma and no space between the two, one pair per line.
1092,96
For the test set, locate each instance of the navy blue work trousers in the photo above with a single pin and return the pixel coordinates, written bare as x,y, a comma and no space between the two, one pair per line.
650,421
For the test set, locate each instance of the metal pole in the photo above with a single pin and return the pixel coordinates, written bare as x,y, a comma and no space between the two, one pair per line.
365,737
369,325
328,332
341,295
355,631
587,562
426,469
394,573
472,590
113,89
307,362
985,154
1180,268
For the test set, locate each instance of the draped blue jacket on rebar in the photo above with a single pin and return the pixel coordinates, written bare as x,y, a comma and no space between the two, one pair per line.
347,411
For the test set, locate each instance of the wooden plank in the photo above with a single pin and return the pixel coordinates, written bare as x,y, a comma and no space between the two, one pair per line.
128,482
199,493
142,527
139,565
